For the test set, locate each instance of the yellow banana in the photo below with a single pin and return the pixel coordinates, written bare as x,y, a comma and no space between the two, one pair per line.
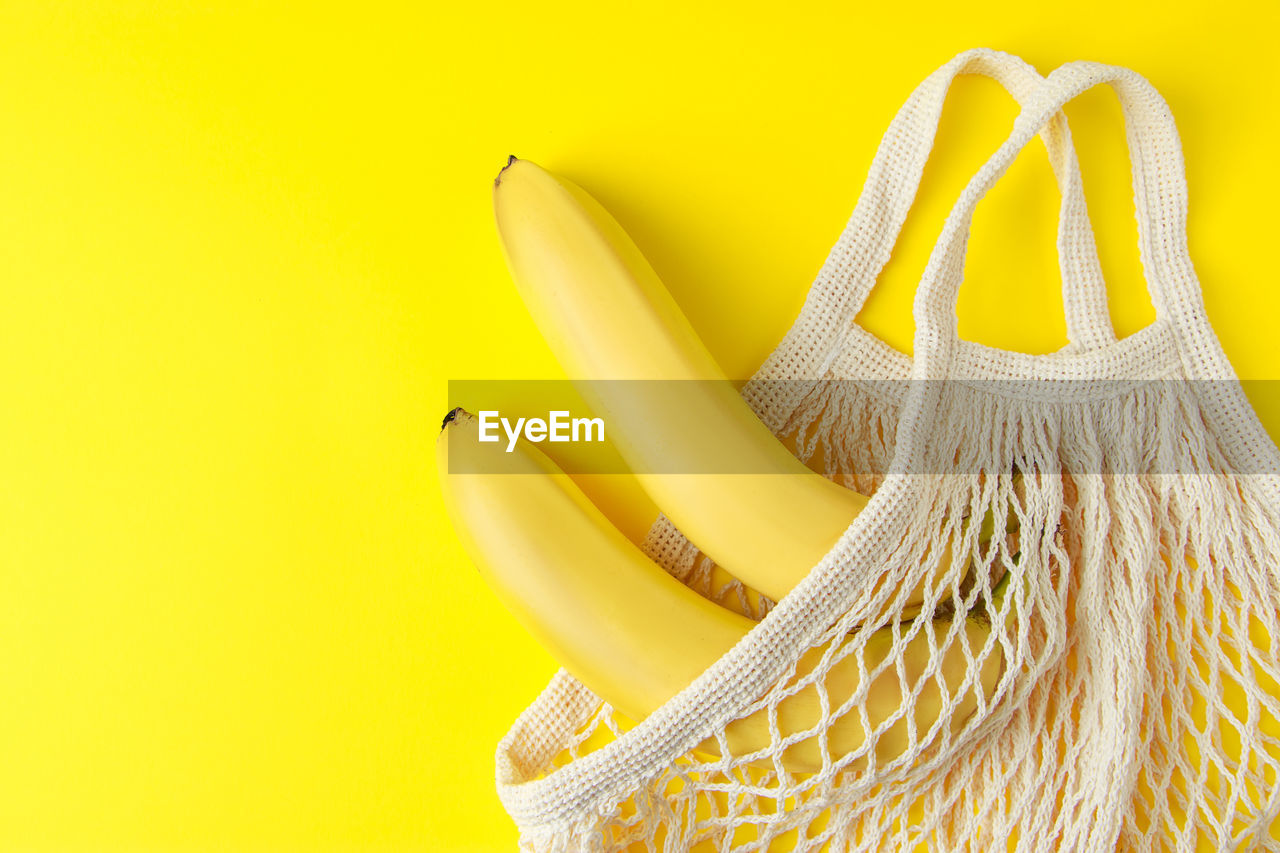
607,316
635,635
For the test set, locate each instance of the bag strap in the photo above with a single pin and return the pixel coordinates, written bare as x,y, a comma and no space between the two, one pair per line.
866,244
1160,196
1159,192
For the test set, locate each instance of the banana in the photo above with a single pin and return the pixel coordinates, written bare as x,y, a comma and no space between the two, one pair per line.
607,316
636,636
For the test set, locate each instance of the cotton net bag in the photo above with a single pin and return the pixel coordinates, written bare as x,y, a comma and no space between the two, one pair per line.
1121,690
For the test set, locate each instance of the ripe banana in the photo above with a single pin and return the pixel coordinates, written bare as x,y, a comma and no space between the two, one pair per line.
636,636
607,316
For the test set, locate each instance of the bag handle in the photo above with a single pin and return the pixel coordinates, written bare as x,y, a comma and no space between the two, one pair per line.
1160,197
1160,194
851,269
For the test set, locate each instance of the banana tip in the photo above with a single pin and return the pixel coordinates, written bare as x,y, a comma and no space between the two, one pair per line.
453,415
511,158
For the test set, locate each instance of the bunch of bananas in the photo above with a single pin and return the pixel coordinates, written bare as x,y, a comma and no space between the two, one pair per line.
618,621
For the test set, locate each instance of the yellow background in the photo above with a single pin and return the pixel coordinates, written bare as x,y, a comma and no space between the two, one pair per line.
243,251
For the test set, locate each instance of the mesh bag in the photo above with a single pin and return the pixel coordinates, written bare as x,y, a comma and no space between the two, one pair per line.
1103,677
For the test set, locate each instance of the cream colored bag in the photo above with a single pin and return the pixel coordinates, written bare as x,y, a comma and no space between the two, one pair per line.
1138,631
